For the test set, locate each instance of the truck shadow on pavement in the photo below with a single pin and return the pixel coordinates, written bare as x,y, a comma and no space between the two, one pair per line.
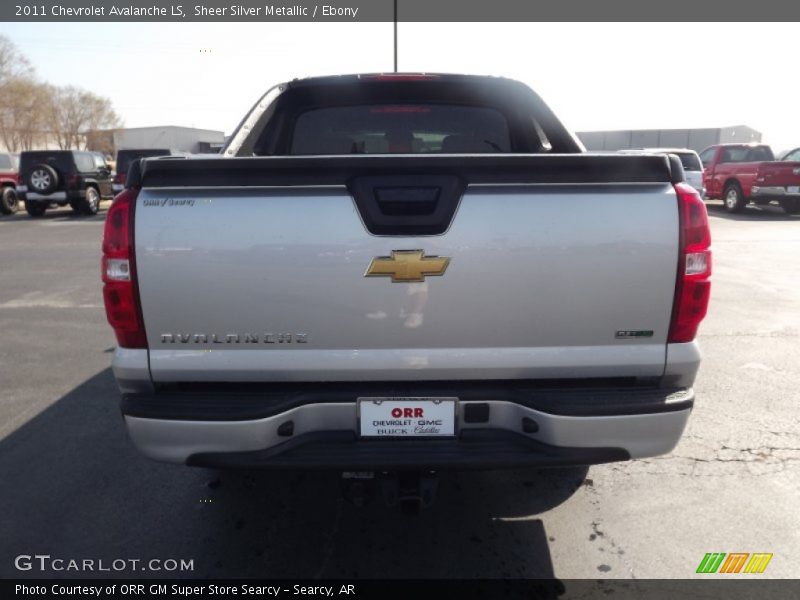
74,487
750,213
62,213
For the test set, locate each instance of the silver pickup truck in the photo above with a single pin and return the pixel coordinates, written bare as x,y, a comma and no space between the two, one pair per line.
405,272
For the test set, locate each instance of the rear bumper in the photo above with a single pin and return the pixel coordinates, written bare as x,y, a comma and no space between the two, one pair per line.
773,192
474,449
62,196
252,429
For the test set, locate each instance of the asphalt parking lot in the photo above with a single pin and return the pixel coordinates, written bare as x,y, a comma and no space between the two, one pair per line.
73,487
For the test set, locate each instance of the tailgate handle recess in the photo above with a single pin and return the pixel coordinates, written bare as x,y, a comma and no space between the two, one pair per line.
408,201
407,205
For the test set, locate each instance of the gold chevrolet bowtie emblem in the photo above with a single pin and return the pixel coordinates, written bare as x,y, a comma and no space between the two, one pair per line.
407,265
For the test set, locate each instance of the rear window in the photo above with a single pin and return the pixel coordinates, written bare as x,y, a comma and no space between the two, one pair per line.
690,161
126,157
5,162
400,129
746,154
733,155
760,153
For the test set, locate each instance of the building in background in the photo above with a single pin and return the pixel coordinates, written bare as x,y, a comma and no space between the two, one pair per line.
696,139
108,141
183,139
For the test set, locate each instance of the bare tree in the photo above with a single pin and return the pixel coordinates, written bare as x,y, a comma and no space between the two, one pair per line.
75,113
101,140
23,109
67,116
103,119
20,94
12,63
34,113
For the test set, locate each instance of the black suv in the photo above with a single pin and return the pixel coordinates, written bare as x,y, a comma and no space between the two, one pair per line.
80,179
126,157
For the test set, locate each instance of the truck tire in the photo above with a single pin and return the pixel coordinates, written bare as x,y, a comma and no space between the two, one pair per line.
790,206
36,209
89,204
733,198
42,179
9,203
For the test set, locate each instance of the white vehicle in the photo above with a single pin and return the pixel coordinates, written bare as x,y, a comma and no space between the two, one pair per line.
692,165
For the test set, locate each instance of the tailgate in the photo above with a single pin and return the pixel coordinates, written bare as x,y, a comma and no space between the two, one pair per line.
549,275
779,174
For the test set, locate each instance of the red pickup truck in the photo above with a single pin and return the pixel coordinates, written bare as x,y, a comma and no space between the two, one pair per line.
742,173
9,180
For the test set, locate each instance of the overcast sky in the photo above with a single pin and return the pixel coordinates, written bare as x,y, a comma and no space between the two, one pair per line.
593,75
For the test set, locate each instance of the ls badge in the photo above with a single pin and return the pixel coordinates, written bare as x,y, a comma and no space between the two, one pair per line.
407,266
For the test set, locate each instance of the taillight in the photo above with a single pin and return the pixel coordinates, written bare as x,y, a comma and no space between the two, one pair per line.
119,178
693,286
121,292
72,181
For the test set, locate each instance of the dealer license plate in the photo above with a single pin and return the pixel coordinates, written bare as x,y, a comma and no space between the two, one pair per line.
407,417
793,189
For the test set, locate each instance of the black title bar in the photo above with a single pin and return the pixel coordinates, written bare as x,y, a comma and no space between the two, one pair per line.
735,588
407,11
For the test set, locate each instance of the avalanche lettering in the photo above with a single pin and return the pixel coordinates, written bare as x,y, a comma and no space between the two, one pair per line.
137,11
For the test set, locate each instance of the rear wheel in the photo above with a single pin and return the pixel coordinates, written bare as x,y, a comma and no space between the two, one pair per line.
89,204
734,198
43,179
791,206
35,209
9,203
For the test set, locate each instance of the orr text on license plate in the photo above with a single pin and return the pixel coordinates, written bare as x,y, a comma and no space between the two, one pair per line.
407,417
